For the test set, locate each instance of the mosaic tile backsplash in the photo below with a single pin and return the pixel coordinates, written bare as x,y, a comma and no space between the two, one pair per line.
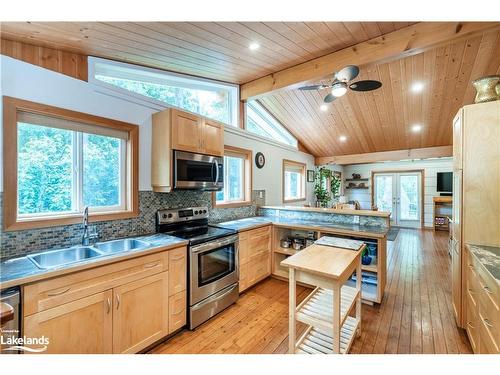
20,243
323,217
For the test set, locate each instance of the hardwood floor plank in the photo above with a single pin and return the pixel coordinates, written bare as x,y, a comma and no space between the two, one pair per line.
415,315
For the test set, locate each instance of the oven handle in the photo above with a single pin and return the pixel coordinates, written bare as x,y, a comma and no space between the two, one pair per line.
213,298
216,172
214,244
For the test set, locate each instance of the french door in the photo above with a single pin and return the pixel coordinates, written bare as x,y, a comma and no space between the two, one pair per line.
400,194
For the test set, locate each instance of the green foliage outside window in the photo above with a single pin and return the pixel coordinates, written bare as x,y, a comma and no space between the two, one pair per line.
324,193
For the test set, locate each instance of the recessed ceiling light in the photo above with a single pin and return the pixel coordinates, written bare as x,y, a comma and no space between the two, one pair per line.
416,128
323,107
253,46
342,138
417,86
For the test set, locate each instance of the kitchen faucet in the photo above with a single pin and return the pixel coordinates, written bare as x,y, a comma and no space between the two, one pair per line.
86,237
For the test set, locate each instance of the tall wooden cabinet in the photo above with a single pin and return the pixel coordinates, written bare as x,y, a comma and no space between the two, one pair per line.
173,129
476,198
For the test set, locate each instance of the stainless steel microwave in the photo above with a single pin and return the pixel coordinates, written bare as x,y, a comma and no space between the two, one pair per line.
198,171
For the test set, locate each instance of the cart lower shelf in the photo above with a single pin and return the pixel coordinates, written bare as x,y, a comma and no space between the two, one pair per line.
317,341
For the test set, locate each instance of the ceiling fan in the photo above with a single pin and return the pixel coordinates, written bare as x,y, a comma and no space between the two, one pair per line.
341,82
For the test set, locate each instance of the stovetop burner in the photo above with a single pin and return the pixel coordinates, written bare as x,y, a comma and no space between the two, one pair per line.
189,224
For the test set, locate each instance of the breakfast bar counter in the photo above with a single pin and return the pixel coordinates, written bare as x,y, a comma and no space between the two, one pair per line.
326,310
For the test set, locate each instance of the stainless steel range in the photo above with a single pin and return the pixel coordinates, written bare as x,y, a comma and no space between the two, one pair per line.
213,270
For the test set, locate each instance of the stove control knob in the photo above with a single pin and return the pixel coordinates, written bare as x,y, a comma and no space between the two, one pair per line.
196,212
170,216
204,211
164,216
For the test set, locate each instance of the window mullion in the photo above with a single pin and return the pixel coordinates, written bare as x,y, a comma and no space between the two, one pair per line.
80,172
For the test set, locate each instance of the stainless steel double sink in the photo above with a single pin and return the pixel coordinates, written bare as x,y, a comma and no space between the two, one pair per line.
62,257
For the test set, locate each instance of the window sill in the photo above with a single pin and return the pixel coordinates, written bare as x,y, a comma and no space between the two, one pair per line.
232,204
294,200
53,221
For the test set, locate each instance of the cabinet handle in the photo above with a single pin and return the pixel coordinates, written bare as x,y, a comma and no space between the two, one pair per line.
151,265
487,290
471,291
470,325
117,301
108,301
178,257
58,293
487,322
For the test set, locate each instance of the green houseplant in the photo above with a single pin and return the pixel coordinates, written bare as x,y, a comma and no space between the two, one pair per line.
326,186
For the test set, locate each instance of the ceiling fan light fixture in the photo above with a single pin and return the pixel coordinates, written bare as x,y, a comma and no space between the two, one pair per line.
339,89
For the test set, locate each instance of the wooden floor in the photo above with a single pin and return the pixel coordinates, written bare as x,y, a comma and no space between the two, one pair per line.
415,315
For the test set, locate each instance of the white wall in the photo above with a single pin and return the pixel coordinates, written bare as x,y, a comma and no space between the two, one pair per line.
29,82
430,167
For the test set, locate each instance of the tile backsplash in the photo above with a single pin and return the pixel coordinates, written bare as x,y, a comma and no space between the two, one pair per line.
20,243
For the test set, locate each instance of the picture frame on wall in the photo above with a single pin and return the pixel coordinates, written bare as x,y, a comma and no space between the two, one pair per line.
310,175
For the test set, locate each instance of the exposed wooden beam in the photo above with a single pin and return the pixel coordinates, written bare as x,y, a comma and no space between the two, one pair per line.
374,157
401,43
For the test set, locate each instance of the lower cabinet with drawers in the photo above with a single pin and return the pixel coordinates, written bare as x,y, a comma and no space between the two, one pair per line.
255,256
482,308
121,307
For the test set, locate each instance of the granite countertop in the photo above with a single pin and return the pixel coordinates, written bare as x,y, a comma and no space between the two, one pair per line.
489,257
257,221
21,270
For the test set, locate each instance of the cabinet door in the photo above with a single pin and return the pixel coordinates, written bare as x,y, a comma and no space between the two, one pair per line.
456,226
140,313
213,138
457,140
456,279
259,241
177,271
79,327
186,131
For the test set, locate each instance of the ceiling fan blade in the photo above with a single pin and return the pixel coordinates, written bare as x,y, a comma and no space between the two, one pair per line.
314,87
347,73
367,85
329,98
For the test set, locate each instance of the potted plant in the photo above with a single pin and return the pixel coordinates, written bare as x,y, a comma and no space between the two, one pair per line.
326,186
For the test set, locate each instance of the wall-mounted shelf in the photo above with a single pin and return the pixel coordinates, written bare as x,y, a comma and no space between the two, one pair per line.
356,179
356,187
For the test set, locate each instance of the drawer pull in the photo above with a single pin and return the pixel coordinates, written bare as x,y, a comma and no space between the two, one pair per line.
178,311
108,301
117,301
151,265
178,257
470,325
52,294
487,322
471,291
487,290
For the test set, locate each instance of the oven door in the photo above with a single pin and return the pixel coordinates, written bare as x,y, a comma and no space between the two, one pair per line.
197,171
213,267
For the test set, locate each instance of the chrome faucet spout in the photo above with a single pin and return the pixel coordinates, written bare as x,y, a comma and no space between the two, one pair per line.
86,236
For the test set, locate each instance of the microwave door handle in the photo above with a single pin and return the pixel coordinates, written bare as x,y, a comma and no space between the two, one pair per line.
216,172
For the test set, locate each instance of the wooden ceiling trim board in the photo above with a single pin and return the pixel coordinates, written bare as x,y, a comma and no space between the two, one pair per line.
396,155
140,35
131,41
404,42
265,41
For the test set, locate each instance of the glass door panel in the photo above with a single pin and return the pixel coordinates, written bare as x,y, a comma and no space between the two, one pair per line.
384,193
408,199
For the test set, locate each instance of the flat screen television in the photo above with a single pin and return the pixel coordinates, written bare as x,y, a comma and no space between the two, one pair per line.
444,182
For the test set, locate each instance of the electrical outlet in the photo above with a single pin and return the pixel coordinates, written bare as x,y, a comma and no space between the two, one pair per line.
356,219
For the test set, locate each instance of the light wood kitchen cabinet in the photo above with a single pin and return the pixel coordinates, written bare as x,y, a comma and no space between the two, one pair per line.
83,326
121,307
482,308
140,313
476,177
456,291
173,129
254,256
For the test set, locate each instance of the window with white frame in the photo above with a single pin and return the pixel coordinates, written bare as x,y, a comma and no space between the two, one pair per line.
259,121
63,166
294,177
216,100
237,178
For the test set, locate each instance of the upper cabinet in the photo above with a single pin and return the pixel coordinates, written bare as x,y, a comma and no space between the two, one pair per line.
173,129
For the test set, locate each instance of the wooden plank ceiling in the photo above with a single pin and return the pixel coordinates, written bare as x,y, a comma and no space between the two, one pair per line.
372,122
382,120
217,50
